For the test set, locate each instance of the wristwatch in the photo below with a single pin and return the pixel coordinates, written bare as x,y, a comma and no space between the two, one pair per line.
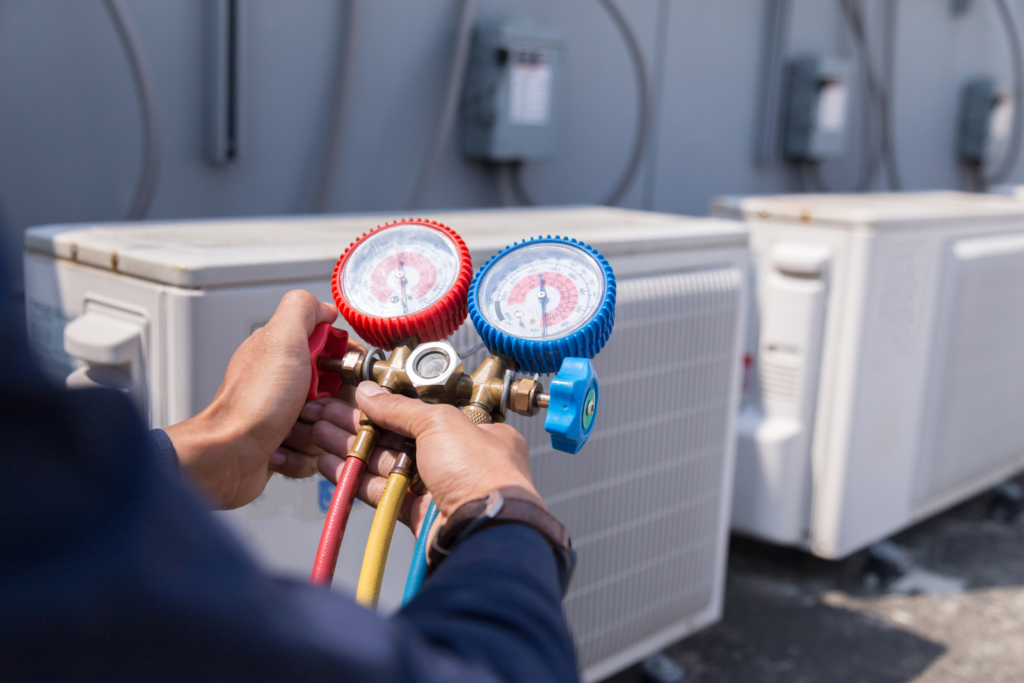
496,509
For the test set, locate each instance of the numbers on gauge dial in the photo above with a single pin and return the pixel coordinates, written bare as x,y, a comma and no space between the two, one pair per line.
543,291
399,270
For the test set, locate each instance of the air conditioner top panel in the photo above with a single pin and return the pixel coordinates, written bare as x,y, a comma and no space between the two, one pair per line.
883,211
218,253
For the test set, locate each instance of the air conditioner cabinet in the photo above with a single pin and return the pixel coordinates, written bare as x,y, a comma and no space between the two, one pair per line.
888,380
647,500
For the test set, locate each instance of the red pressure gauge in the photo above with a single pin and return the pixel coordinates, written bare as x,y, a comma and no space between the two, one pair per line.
403,279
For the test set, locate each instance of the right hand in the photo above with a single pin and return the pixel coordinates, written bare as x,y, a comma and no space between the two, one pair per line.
457,460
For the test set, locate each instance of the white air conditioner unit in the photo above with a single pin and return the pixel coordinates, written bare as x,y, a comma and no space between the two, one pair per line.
889,375
647,500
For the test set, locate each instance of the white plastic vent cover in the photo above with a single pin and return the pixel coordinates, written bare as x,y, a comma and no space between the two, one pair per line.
643,499
978,413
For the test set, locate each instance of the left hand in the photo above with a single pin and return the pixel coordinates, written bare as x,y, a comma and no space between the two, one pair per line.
233,447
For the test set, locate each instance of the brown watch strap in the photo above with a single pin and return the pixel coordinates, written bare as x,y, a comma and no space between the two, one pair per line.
532,515
512,511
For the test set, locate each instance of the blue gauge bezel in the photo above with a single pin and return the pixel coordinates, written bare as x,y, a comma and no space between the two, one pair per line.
545,356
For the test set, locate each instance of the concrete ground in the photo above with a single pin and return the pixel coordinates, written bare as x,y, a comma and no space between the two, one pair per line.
955,615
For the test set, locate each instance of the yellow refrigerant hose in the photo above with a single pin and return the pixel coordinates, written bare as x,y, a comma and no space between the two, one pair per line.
372,574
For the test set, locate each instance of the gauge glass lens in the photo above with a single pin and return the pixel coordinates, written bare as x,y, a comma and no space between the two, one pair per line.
543,291
399,270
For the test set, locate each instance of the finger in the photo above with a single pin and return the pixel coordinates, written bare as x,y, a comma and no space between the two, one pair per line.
292,463
338,443
330,466
412,511
299,439
418,505
341,414
382,461
403,415
371,488
312,409
332,439
347,394
339,423
299,308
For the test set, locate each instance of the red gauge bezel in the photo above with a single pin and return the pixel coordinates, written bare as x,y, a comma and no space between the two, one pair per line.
434,323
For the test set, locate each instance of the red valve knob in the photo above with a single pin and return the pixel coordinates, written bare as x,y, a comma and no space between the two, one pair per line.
403,266
328,342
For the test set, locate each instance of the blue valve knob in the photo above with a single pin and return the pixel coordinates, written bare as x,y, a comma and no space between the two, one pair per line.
573,405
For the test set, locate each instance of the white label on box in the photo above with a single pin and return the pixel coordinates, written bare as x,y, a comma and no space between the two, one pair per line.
1001,121
832,107
530,88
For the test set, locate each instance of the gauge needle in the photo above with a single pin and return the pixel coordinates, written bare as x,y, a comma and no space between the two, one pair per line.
543,297
401,281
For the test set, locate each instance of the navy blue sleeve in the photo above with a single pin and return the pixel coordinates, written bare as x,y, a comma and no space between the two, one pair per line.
499,589
163,450
113,570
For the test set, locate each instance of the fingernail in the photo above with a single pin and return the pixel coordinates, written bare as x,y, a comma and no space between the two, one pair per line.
277,458
369,389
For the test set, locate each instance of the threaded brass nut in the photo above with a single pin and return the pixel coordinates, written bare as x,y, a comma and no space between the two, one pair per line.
522,396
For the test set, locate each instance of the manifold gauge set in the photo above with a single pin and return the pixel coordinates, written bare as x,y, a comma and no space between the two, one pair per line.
542,306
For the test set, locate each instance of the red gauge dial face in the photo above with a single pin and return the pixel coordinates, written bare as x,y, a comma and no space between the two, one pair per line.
407,275
405,279
400,270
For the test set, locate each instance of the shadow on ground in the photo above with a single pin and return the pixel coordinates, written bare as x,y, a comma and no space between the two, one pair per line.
957,616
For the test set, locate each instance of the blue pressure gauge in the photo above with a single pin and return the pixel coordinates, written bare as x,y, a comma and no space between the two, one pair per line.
544,300
549,303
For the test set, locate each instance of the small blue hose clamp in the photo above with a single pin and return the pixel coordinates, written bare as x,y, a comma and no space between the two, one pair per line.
573,405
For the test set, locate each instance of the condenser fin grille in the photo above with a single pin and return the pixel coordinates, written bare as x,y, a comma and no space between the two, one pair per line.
643,499
979,422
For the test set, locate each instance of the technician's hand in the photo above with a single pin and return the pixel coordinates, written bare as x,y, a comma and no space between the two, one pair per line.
456,459
231,449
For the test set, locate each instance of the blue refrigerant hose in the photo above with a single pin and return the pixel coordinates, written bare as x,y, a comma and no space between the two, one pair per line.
418,568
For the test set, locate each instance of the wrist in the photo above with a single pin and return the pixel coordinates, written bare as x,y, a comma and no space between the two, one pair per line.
500,507
517,487
203,444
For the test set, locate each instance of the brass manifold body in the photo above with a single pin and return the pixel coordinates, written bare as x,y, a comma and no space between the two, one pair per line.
433,372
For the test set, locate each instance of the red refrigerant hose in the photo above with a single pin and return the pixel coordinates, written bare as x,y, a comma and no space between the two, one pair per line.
337,519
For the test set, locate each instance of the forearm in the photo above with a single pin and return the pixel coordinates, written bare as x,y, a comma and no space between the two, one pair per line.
496,601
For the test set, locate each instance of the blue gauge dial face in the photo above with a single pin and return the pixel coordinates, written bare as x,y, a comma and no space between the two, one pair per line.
542,291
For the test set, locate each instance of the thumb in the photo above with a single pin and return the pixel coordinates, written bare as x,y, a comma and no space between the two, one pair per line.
394,412
301,310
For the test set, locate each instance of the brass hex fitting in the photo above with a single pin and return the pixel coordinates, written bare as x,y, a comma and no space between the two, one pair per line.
352,367
434,370
522,398
489,385
390,374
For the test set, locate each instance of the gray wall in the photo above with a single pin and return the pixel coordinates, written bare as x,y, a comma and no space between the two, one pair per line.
70,134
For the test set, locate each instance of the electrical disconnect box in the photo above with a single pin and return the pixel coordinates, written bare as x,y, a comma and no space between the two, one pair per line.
986,120
817,111
509,100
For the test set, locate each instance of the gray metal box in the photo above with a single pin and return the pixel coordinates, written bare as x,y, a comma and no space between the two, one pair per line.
977,103
510,98
817,111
